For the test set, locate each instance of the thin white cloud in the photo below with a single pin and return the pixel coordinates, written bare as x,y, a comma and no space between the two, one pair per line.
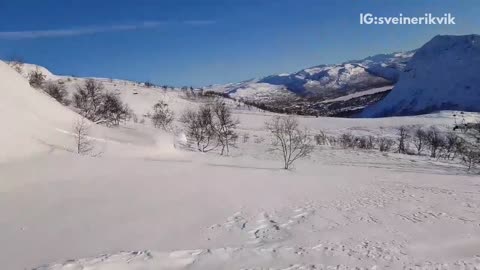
199,22
90,30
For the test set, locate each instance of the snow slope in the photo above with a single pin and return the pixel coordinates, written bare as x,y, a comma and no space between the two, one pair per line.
36,124
145,205
341,208
29,117
442,75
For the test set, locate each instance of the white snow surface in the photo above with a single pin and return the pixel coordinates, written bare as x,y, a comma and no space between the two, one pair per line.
28,116
260,91
359,94
27,68
146,203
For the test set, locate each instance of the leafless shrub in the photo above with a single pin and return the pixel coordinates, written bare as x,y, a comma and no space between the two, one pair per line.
469,149
17,63
89,99
470,156
419,139
347,140
452,146
332,140
321,138
134,118
188,92
199,128
57,91
385,144
435,141
245,137
259,140
162,116
148,84
98,106
366,142
402,140
288,139
113,110
224,125
82,142
36,78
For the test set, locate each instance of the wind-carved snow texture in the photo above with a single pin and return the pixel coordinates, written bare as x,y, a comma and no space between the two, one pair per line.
341,234
403,204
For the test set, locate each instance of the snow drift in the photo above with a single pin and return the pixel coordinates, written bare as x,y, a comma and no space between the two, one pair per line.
442,75
29,117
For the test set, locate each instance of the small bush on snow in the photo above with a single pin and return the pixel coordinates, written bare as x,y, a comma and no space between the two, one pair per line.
57,91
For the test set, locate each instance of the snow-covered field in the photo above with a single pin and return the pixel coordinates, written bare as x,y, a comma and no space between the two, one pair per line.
360,94
146,203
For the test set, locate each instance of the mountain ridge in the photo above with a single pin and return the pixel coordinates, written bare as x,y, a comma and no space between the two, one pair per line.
442,75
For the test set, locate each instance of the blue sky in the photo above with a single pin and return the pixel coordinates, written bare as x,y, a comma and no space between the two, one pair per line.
201,42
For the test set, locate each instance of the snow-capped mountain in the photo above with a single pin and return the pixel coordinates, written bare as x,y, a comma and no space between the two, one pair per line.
332,81
442,75
324,81
315,90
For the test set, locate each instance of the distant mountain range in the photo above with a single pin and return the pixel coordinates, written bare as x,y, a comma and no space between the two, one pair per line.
309,91
441,75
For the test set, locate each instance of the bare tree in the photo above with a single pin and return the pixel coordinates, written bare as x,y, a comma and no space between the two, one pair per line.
366,142
419,139
385,144
57,91
99,106
435,141
148,84
224,125
81,130
321,138
347,140
470,156
89,100
452,146
402,140
113,110
245,137
16,62
162,116
36,78
200,129
470,150
288,139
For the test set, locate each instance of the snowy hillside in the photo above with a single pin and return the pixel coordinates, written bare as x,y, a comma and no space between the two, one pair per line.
340,209
144,200
39,125
442,75
29,117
